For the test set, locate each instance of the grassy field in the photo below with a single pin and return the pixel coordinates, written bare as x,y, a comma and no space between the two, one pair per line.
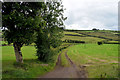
106,34
80,37
91,36
86,39
31,68
67,32
100,60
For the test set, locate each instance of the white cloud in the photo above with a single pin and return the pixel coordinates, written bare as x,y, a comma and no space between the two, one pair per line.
87,14
1,0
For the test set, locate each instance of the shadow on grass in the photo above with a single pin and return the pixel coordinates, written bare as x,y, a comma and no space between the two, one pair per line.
12,69
31,61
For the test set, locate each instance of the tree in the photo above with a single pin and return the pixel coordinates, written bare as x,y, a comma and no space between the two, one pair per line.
94,29
18,20
49,34
21,20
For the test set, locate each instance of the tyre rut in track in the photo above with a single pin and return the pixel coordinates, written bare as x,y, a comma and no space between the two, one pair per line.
66,72
81,72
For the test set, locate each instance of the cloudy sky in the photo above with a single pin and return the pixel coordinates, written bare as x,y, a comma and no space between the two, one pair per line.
89,14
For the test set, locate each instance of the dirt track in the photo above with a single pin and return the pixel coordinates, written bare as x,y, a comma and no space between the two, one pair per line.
66,72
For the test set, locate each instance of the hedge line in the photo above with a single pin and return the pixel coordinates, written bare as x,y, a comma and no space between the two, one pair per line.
73,41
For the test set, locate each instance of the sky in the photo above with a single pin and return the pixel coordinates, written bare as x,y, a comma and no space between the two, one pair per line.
89,14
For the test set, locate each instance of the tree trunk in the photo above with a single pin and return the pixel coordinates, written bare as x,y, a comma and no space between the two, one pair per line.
18,54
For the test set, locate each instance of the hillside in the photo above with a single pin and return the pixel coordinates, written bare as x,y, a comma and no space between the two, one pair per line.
92,36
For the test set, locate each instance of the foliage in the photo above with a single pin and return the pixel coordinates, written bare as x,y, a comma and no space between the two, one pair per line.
99,43
25,22
94,29
73,41
49,33
18,19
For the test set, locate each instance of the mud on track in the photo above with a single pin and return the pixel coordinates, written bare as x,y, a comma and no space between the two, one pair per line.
66,72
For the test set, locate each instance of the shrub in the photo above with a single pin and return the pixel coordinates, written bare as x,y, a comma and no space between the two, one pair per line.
4,43
99,43
73,41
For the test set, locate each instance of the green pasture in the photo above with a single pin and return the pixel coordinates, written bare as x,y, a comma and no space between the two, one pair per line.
110,35
31,68
100,60
112,42
67,32
89,39
86,39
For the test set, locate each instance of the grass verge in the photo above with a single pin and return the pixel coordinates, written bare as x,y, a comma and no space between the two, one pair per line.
31,68
64,61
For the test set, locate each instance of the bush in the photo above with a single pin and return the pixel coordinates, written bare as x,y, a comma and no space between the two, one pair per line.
99,43
94,29
4,43
73,41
